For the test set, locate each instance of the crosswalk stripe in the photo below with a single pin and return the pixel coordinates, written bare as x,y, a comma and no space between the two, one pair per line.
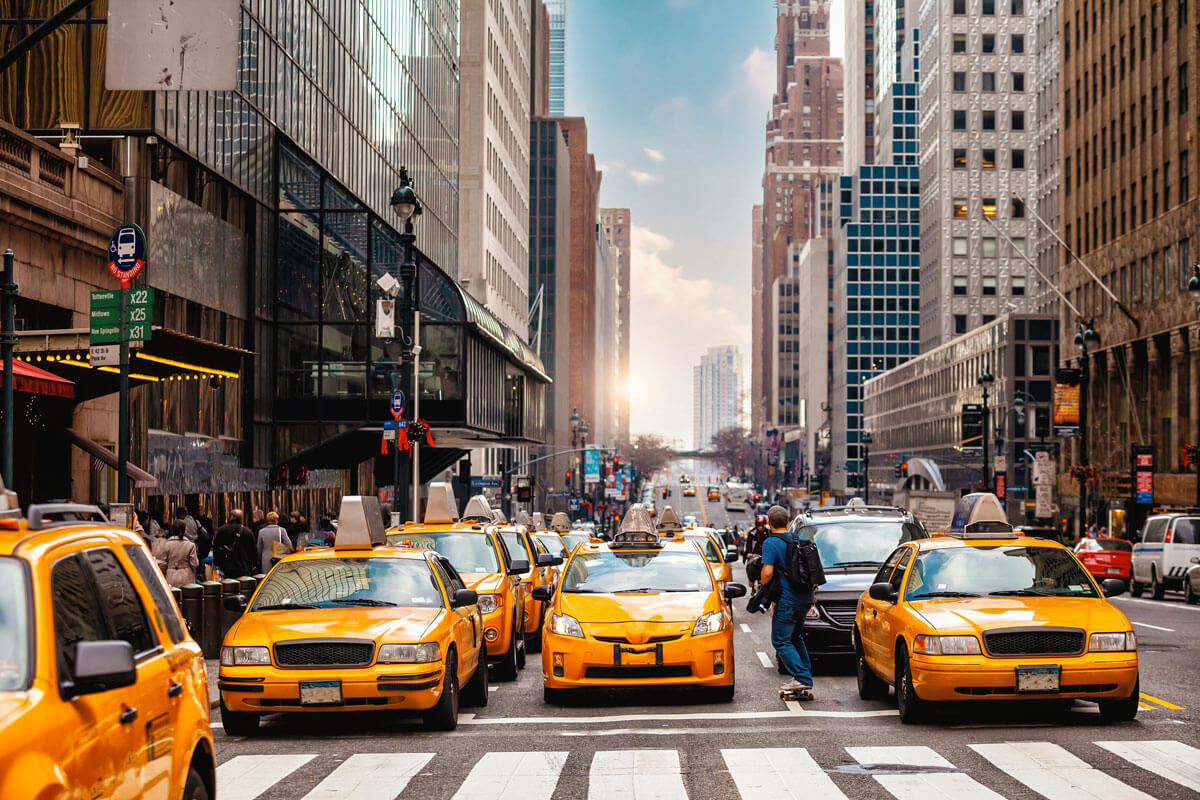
513,776
921,785
1053,772
636,774
779,773
1175,761
370,776
246,777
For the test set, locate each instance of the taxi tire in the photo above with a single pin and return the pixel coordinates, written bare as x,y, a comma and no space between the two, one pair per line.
238,723
508,667
194,788
911,707
1135,588
870,685
1189,594
444,715
521,649
1157,589
723,694
1123,709
475,693
555,697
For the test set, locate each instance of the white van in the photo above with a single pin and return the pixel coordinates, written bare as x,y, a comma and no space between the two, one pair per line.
1163,556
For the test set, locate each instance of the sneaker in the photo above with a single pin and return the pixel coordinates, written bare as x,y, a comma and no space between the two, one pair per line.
795,686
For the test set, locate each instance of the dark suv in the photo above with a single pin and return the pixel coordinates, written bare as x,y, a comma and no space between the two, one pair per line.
853,542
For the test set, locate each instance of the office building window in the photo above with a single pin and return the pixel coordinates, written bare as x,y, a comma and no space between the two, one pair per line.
1017,8
988,318
989,285
1018,81
960,284
1017,209
960,323
989,158
1183,177
960,158
960,207
960,120
1018,246
1017,43
989,207
989,42
960,81
989,120
989,246
960,7
1017,122
960,43
989,81
989,7
1018,160
1018,285
960,245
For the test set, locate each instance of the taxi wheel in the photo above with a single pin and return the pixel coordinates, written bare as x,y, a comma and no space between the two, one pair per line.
723,694
521,648
555,697
1157,589
195,789
1189,594
911,708
508,667
444,715
475,693
238,723
870,686
1135,588
1122,710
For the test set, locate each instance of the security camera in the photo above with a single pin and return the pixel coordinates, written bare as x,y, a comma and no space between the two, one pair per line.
388,284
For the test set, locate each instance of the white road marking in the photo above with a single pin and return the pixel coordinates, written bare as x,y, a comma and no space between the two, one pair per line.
370,776
493,688
513,776
765,659
246,777
640,774
1155,627
471,719
1175,761
1055,773
921,785
746,628
1159,604
787,773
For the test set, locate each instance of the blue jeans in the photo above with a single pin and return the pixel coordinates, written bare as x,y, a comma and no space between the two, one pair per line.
786,625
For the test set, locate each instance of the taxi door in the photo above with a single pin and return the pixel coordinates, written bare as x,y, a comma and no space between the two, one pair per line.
466,629
876,621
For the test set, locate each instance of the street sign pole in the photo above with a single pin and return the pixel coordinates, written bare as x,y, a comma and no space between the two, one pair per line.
123,403
9,338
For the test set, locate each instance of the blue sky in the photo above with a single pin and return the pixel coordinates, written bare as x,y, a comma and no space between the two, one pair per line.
676,93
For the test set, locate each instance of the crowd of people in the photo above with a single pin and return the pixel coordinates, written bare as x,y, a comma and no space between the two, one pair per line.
190,548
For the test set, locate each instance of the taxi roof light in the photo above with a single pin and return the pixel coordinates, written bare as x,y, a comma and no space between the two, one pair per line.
440,506
538,521
498,517
360,524
560,523
980,516
478,510
523,518
8,499
668,521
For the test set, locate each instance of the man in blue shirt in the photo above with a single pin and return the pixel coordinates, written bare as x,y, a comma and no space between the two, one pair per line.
787,621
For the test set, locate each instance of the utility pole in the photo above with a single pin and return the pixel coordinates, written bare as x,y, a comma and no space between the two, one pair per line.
8,338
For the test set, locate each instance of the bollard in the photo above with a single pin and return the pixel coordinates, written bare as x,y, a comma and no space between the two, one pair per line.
229,588
178,595
248,585
193,610
211,641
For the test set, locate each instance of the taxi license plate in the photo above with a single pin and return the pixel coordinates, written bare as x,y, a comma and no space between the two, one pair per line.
1038,679
314,693
1114,570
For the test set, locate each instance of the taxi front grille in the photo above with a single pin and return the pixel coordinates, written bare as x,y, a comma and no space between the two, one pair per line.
1034,642
640,672
324,653
623,640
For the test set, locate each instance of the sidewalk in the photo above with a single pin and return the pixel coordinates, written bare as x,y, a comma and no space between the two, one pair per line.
211,665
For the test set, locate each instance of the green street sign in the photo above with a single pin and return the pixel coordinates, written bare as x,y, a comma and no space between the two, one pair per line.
105,316
112,297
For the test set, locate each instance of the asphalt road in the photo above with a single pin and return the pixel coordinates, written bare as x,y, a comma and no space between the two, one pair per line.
656,744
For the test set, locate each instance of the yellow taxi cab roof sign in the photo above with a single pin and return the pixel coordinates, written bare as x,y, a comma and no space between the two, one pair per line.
478,509
668,521
440,506
498,517
980,514
560,522
360,524
538,521
636,527
523,518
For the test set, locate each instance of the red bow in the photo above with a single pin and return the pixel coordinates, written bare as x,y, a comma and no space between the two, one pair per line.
428,433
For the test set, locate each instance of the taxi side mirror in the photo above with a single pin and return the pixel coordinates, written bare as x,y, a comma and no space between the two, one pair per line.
102,666
883,591
543,593
236,602
734,591
1112,587
548,560
1195,560
731,554
464,597
518,567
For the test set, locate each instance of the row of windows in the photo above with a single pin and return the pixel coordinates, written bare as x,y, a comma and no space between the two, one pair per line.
1137,111
988,81
1098,226
987,207
1143,280
988,247
987,158
987,43
988,285
884,303
1137,34
987,120
988,7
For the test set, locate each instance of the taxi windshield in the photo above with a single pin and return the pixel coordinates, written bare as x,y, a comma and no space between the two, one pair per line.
711,552
573,539
347,582
637,571
467,551
554,544
14,626
859,544
1017,571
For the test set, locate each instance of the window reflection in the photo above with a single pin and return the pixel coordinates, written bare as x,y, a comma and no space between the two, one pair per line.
441,361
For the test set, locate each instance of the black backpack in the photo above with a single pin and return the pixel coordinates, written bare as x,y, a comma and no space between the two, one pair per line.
803,562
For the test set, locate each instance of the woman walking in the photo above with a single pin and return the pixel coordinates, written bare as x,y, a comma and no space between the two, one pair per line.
180,553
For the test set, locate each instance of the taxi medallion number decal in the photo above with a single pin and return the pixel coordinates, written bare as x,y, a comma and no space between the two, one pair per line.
315,693
1038,679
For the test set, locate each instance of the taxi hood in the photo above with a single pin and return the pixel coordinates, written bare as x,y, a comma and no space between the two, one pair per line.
979,614
484,582
12,706
380,624
660,607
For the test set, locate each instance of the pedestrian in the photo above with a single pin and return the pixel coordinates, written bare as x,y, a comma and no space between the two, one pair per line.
180,555
190,525
325,531
158,545
792,594
257,521
235,551
273,542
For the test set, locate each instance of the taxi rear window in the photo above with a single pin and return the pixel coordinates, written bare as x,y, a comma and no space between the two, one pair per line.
553,544
16,637
339,583
468,552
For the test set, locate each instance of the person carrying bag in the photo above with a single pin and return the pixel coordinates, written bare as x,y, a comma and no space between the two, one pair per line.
273,543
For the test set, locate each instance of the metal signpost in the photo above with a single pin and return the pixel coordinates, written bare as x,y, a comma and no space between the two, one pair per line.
397,407
126,260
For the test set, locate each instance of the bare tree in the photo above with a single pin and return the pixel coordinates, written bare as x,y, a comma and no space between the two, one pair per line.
650,453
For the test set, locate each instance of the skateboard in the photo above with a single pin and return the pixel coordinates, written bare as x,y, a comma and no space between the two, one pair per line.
796,694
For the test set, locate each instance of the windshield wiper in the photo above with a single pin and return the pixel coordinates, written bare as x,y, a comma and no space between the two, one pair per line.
858,563
1020,593
641,590
362,601
582,591
943,594
283,606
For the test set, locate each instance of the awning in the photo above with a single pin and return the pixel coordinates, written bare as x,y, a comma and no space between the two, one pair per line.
31,379
141,478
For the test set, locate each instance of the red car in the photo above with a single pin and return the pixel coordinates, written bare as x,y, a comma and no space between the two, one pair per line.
1106,558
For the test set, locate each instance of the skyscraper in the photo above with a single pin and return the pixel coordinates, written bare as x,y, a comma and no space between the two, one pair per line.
618,226
558,56
717,386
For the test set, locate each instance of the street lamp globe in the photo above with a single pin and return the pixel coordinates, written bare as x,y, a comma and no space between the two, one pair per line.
1091,337
404,199
866,438
583,428
986,378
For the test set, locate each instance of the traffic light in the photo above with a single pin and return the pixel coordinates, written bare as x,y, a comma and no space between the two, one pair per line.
524,494
904,468
570,475
616,463
897,472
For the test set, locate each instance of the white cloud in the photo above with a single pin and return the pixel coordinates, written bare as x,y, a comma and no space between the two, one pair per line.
654,153
675,319
644,178
758,79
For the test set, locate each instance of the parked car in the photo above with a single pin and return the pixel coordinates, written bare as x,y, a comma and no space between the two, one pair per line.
1169,542
1105,558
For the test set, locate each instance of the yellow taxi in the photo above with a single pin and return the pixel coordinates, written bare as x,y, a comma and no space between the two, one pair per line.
714,494
689,490
103,693
361,626
639,611
474,548
983,613
718,556
522,546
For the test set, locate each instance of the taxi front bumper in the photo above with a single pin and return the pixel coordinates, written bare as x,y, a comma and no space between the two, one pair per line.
497,631
384,687
569,662
1088,677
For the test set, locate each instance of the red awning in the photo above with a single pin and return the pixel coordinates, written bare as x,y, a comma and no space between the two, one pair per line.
31,379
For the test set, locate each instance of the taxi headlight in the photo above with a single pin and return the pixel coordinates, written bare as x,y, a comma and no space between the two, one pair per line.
565,625
946,645
409,653
245,656
489,603
711,622
1102,642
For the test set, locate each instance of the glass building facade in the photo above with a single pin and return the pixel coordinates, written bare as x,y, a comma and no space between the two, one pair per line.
557,10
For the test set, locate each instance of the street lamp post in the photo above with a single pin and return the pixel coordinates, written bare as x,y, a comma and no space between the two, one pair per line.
407,206
986,379
867,441
1194,290
1018,405
8,339
1086,338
